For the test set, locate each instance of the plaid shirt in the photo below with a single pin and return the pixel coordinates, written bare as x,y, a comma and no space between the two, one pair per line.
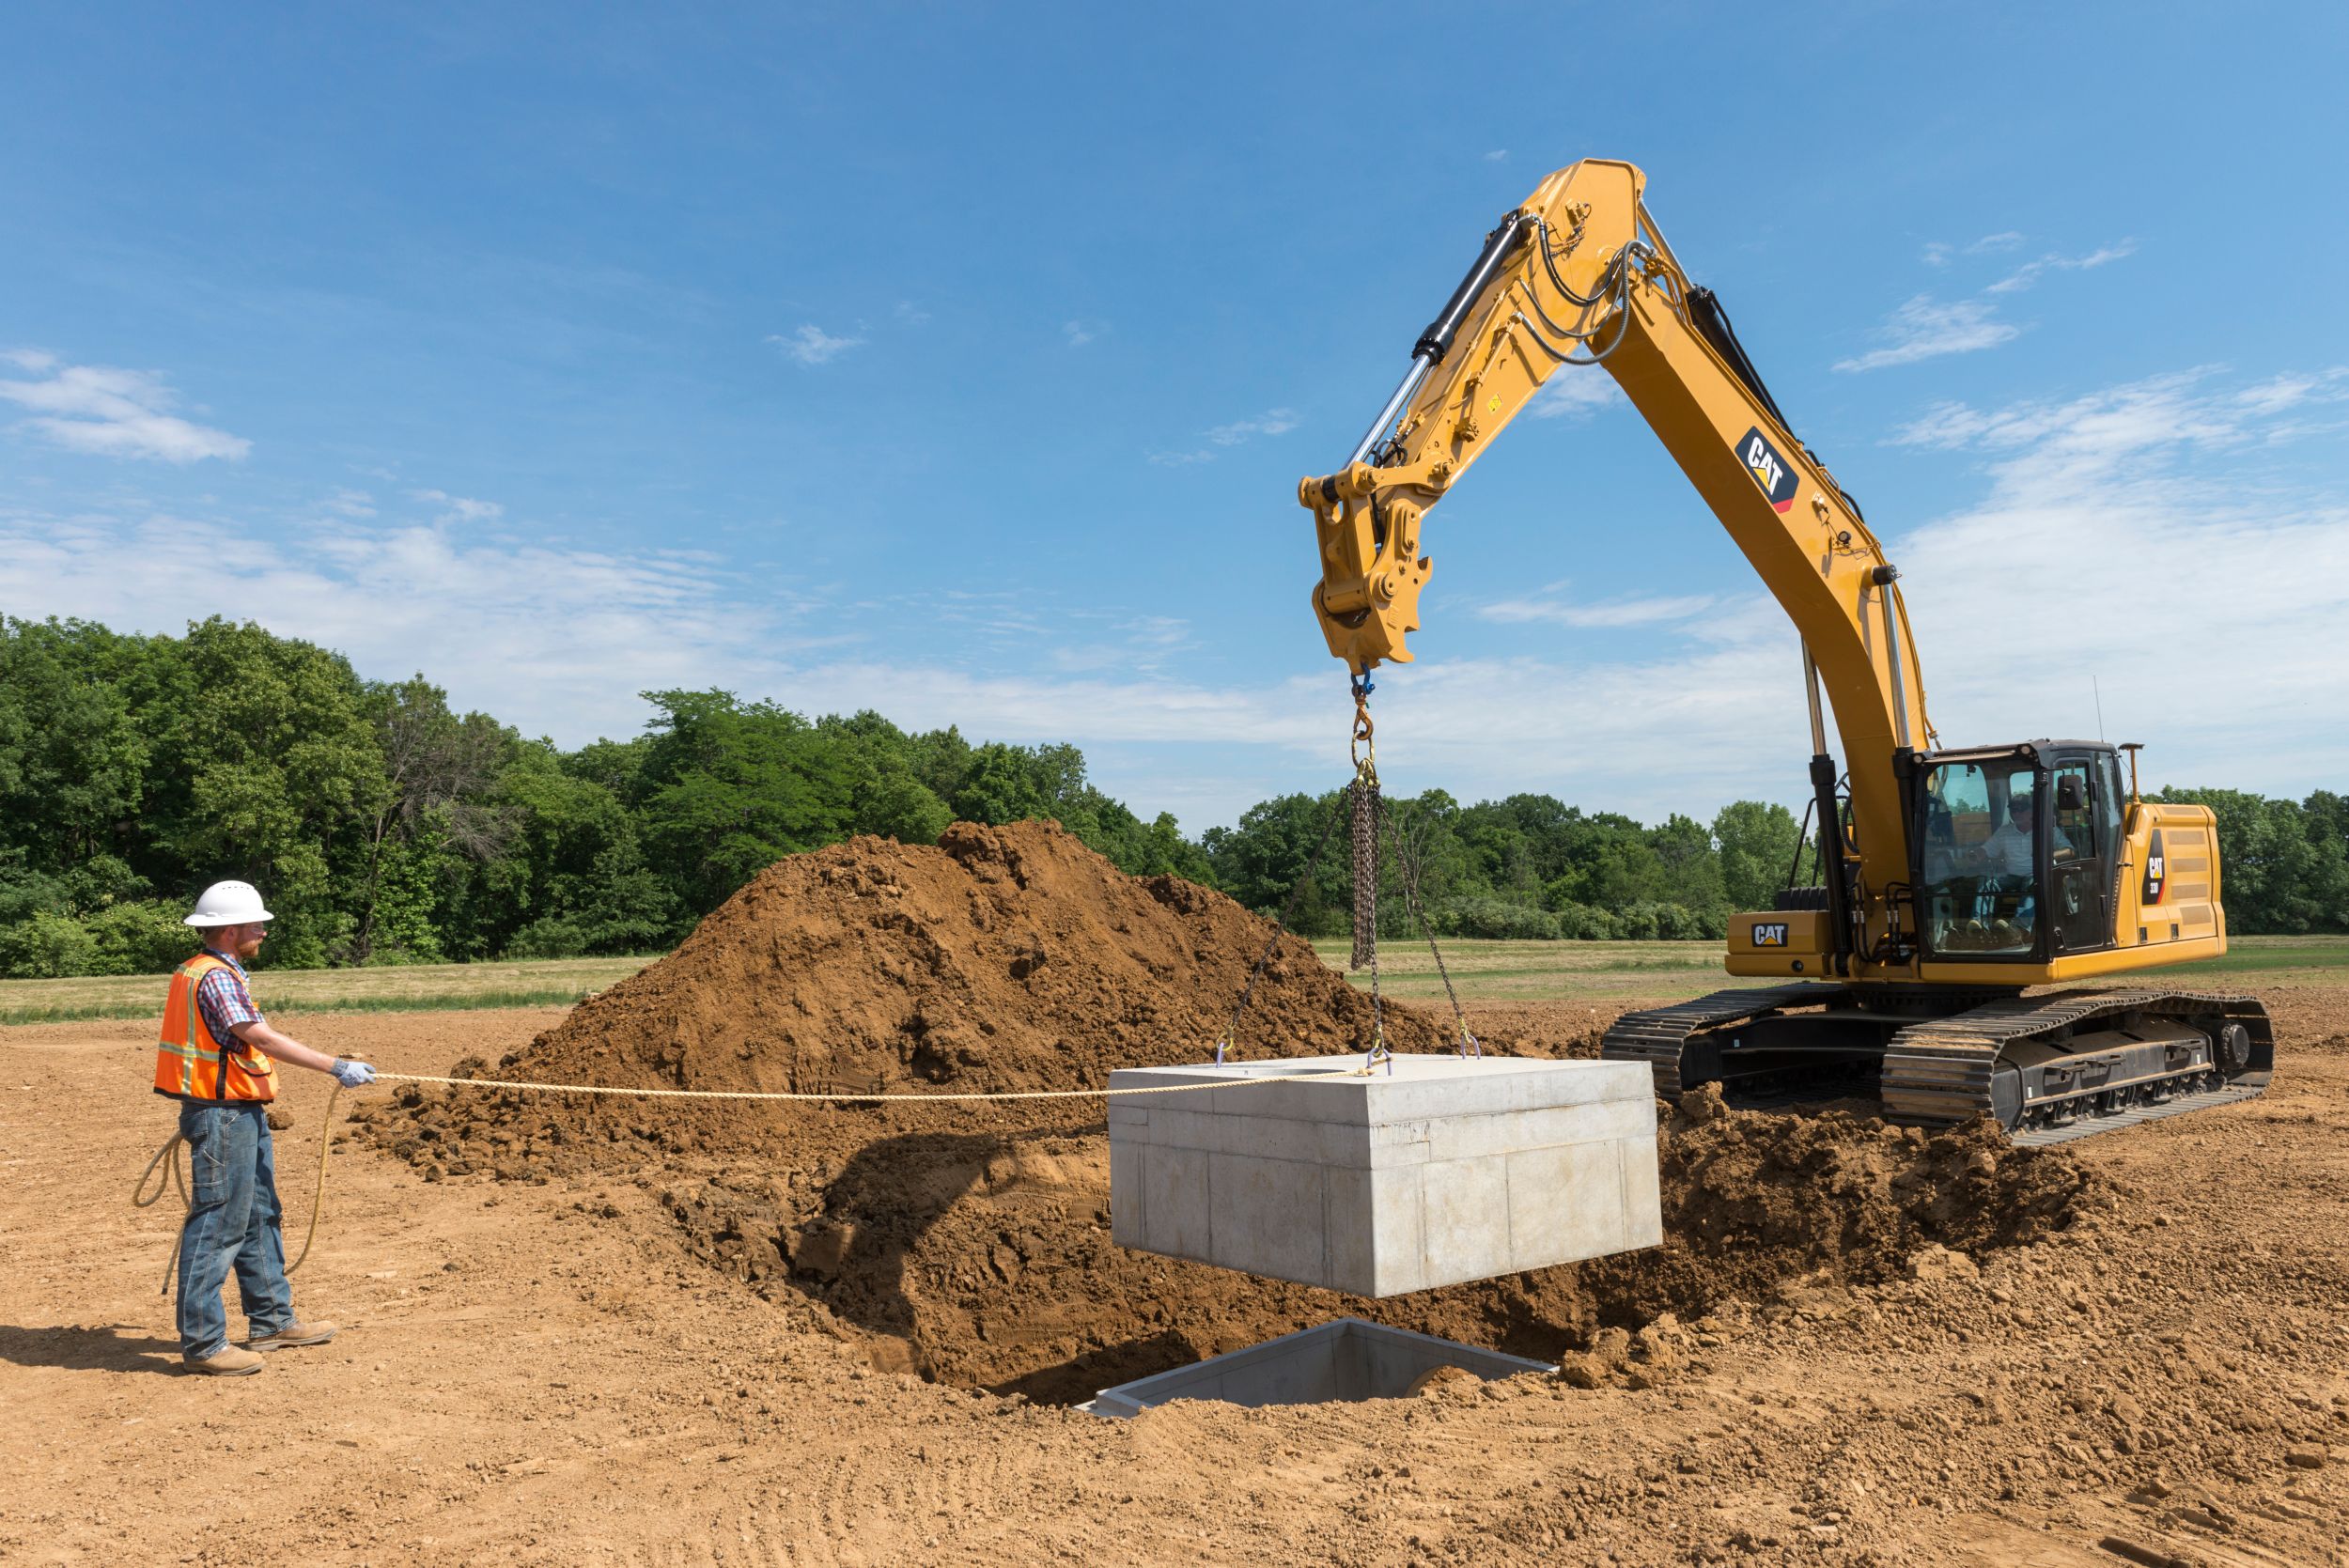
224,998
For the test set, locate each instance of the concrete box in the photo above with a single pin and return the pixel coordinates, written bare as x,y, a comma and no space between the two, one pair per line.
1347,1360
1445,1169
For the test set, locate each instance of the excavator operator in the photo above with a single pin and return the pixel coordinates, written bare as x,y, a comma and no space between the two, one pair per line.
2007,852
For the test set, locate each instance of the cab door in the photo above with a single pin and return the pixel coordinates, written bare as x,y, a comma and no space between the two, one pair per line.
2079,858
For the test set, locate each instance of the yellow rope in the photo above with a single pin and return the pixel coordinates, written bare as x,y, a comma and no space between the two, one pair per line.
850,1096
177,1173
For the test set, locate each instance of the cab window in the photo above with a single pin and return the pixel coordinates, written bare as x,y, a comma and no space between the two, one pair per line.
2073,835
1978,892
2109,804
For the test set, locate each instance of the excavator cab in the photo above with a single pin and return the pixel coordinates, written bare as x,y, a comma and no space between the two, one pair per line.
2015,851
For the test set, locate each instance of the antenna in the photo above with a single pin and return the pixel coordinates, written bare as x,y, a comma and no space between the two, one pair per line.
2099,690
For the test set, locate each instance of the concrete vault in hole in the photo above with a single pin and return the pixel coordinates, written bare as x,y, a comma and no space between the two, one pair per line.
1344,1361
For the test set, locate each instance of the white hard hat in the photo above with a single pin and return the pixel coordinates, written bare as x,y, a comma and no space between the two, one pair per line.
228,904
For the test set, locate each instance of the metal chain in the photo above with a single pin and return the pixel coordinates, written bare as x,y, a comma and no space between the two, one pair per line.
1380,1055
1365,802
1362,749
1365,794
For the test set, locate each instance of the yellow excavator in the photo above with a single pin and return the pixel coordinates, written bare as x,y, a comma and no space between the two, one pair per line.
1947,881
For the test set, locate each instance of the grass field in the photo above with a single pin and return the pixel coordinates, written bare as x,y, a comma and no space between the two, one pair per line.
1566,971
1481,970
1539,971
534,983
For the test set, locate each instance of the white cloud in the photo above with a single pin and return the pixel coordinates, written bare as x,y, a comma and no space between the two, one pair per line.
348,502
1079,334
2024,276
809,343
2071,448
909,314
1576,394
1499,155
549,637
2292,391
1634,609
111,412
1273,422
1924,328
1680,729
2135,536
2130,537
2120,539
1141,643
1938,252
461,509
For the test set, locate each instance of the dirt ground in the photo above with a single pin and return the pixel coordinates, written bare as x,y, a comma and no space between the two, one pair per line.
552,1370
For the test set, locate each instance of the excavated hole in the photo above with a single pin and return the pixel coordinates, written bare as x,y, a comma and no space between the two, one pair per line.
983,1260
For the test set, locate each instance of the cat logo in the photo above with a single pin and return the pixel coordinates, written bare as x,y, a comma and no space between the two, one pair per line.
2156,871
1773,473
1770,933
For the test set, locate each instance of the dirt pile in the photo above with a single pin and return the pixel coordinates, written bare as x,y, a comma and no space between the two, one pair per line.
1004,958
1752,1199
985,1259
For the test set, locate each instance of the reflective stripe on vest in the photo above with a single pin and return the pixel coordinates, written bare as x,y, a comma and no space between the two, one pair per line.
188,1058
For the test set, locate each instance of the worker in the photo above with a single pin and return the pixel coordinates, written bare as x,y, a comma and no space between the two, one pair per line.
215,1057
2008,850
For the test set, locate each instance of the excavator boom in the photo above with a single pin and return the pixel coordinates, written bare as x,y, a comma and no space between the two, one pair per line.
1579,281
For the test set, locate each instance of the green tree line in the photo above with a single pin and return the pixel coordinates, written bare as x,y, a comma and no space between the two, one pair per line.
1529,866
386,827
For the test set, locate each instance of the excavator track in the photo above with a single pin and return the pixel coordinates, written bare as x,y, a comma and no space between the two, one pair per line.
1660,1036
1941,1070
2051,1068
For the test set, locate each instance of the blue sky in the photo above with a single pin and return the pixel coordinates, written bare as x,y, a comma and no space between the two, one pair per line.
961,362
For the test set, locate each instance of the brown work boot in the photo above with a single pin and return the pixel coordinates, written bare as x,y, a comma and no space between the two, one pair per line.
227,1362
294,1334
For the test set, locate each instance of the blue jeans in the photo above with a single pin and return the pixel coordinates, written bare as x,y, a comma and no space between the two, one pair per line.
234,1224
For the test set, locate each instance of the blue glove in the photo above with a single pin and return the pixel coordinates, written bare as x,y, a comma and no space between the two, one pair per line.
351,1075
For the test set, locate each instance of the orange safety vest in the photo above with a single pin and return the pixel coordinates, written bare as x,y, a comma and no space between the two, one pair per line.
189,1061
